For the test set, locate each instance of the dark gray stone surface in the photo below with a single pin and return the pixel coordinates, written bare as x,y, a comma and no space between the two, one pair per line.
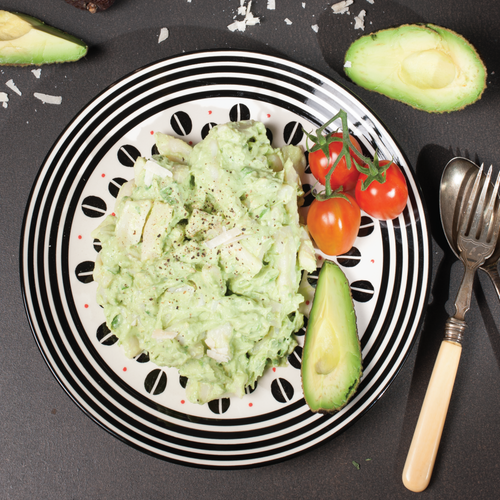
49,449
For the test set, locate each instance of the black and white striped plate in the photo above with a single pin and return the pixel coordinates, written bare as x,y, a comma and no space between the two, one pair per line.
143,404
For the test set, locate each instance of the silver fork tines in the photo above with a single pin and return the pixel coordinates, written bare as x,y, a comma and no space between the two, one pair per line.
480,224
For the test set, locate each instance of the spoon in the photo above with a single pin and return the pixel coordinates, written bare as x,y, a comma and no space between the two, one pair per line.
456,186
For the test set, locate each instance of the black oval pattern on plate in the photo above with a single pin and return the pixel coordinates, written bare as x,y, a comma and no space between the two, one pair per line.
156,382
143,357
239,112
97,245
308,195
282,390
295,358
249,390
269,135
154,150
207,128
105,336
350,259
94,207
362,291
302,331
219,406
115,185
181,123
183,381
312,278
293,133
366,227
127,155
84,271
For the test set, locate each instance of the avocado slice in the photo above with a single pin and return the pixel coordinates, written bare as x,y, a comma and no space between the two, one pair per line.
428,67
25,41
331,358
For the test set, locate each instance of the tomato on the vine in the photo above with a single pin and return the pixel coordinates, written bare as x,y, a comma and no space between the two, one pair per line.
334,223
383,200
342,176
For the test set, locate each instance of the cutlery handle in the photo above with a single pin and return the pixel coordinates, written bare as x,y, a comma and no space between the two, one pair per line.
425,443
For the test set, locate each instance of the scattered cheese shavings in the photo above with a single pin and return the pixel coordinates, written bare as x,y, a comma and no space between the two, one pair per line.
4,99
303,5
249,19
37,72
371,1
48,99
12,86
164,334
287,21
271,4
152,168
347,64
163,35
315,27
225,237
341,7
360,21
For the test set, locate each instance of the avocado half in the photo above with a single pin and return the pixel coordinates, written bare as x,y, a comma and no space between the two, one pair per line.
428,67
25,41
331,358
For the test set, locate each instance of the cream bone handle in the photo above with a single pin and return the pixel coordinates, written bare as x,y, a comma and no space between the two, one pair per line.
425,443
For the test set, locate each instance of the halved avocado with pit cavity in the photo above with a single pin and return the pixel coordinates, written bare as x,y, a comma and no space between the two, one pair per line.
331,358
25,41
426,66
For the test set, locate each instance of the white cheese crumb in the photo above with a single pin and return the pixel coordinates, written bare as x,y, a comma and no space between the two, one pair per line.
248,20
303,5
360,21
4,99
163,35
12,86
271,4
287,21
37,72
371,1
48,99
347,64
315,27
341,7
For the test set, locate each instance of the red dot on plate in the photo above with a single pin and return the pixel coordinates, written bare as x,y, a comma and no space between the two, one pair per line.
113,214
372,261
124,368
182,401
103,175
210,112
250,404
86,306
268,115
79,236
152,132
274,369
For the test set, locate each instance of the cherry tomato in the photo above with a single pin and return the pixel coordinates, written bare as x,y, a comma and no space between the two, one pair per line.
342,176
334,224
383,201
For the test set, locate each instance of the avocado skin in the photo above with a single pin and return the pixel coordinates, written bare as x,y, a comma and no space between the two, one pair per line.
376,61
42,44
331,344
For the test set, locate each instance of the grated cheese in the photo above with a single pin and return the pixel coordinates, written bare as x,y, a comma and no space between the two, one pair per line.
248,20
360,21
4,99
287,21
347,64
37,72
315,27
271,4
12,86
341,7
48,99
163,35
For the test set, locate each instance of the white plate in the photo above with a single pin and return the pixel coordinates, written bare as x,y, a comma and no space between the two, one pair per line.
145,405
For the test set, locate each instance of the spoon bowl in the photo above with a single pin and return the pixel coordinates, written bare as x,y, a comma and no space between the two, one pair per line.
456,187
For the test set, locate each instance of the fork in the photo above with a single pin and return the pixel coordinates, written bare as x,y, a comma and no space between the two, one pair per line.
476,240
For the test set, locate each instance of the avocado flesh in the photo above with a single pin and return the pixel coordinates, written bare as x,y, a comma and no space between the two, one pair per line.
428,67
331,358
25,41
